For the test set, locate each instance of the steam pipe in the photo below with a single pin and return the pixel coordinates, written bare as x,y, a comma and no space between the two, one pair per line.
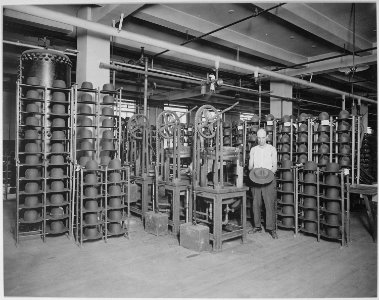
110,31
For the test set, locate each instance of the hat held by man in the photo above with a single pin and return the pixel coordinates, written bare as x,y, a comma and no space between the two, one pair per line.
261,175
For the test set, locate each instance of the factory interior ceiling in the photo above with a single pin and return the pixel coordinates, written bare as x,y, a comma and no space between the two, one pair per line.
331,44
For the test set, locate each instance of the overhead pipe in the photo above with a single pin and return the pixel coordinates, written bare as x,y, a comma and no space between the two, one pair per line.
110,31
40,47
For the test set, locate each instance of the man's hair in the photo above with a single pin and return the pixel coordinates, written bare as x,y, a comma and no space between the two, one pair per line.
261,130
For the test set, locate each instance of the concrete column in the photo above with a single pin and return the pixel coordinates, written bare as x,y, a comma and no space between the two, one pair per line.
93,49
278,107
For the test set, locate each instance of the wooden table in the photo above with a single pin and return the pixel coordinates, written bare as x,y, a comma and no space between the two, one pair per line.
368,192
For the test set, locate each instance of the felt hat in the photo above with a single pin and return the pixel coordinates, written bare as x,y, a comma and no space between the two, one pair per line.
58,109
104,160
323,128
254,119
107,123
57,185
288,221
115,202
332,232
332,180
107,111
324,159
285,156
86,145
83,160
58,135
90,178
303,128
269,128
59,96
85,109
107,145
303,138
91,232
344,114
32,94
115,164
286,118
32,159
343,126
87,85
56,159
31,121
91,218
332,219
302,158
255,127
57,148
323,116
332,167
252,137
56,199
344,161
323,149
85,121
310,202
85,97
56,226
310,189
287,187
332,193
92,165
91,205
108,99
261,175
115,215
31,201
226,131
344,138
30,215
226,140
285,138
302,117
57,212
288,210
270,117
114,190
302,148
287,175
310,178
286,129
114,228
310,226
90,191
333,206
58,122
31,187
84,133
287,198
32,80
285,148
57,83
31,134
31,173
31,148
32,108
114,177
310,166
344,149
56,173
108,87
323,138
286,164
310,214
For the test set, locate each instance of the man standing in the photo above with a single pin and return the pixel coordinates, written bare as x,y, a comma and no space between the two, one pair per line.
264,156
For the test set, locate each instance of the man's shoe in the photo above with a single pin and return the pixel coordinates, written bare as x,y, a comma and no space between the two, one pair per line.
273,234
255,230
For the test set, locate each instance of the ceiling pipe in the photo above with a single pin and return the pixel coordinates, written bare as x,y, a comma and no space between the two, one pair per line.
40,47
110,31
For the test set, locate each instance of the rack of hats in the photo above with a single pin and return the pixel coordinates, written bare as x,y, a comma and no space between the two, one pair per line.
269,124
322,139
303,139
228,134
43,145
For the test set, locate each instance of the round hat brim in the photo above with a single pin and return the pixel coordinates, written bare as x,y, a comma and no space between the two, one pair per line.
259,180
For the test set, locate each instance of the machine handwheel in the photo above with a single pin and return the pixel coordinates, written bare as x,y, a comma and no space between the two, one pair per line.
136,124
205,119
166,122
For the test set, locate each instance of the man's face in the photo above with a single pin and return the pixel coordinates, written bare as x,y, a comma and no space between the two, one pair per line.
261,138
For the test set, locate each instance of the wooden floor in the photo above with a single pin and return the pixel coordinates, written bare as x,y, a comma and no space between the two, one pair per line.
150,266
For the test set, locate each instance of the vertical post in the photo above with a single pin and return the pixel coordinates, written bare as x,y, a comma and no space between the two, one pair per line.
295,170
318,203
145,89
260,100
331,139
343,102
353,129
358,148
343,210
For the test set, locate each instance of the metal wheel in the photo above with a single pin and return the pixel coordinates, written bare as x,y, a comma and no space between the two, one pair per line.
205,119
136,125
166,122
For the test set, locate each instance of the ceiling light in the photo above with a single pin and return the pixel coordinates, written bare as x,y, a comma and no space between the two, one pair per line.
355,69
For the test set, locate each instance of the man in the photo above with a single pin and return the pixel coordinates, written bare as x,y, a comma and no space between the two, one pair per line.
264,156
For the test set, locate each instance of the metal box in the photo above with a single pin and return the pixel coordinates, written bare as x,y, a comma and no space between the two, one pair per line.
156,223
194,237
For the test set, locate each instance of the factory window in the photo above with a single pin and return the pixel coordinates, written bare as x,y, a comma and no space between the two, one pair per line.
246,116
180,111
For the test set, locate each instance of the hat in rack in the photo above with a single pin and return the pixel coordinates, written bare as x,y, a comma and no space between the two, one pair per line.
32,159
323,149
32,94
107,145
57,83
87,85
310,226
302,117
83,160
114,177
104,160
57,185
31,148
323,128
57,148
114,228
332,193
115,202
269,128
310,178
90,178
85,121
303,138
32,108
85,97
227,131
332,219
302,159
261,175
31,121
252,138
344,114
310,202
323,138
59,97
57,212
91,232
58,122
84,133
85,109
287,187
30,215
107,111
285,156
56,199
32,80
286,164
56,226
115,215
310,189
270,117
323,116
286,118
324,159
115,164
91,205
285,148
90,191
344,149
58,109
255,127
310,166
108,99
56,173
333,206
345,161
343,126
287,221
332,167
332,232
31,201
107,123
31,134
310,214
107,134
286,129
303,128
302,148
108,87
285,138
56,159
332,180
288,210
114,190
32,173
91,218
58,135
86,145
344,138
92,165
287,198
31,187
287,175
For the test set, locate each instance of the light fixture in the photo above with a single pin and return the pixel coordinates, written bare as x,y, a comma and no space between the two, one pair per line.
353,69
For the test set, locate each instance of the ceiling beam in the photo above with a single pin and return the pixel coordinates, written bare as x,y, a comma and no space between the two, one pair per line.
110,12
311,20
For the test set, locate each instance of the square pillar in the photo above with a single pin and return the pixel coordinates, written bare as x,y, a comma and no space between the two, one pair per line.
279,107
